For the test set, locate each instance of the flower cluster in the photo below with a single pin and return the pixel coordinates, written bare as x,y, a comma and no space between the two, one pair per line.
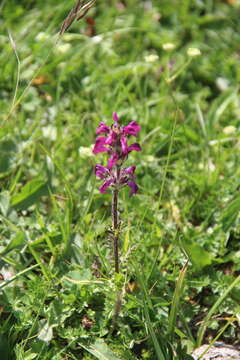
115,143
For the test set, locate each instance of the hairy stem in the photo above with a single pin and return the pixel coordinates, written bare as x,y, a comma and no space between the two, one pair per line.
115,225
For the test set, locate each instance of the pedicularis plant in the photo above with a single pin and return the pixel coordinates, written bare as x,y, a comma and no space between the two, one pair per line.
115,176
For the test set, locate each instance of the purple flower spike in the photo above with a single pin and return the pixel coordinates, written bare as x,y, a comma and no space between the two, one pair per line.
114,176
103,128
112,161
115,117
101,171
133,187
105,185
132,128
99,145
135,147
115,143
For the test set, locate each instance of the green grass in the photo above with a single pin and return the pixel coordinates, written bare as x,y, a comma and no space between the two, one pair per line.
58,291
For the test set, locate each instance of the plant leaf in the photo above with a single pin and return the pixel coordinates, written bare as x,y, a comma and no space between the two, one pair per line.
230,213
101,351
4,202
46,333
176,300
14,243
213,309
8,152
30,194
198,256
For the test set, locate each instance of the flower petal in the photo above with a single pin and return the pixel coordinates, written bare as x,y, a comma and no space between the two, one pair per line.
135,147
115,117
133,187
130,170
111,138
131,129
101,171
99,145
124,145
112,160
103,128
105,185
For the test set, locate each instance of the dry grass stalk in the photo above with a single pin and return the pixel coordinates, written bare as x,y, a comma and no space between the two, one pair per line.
77,12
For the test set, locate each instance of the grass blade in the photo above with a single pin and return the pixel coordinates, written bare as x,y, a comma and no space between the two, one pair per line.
217,337
176,301
146,305
5,283
14,47
213,309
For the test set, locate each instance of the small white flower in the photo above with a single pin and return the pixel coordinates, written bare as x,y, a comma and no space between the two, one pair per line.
229,130
46,333
85,152
86,80
49,132
151,58
210,230
210,166
222,83
149,158
193,52
42,36
168,46
63,48
7,273
97,39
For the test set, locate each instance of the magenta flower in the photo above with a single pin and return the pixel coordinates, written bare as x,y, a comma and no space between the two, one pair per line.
99,146
117,136
115,143
101,171
125,177
102,129
115,117
105,185
131,129
112,161
135,147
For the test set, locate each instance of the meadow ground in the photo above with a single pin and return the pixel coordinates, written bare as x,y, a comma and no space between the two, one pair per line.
59,296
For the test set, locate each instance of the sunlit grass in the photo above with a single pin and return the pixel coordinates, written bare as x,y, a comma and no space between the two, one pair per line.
53,221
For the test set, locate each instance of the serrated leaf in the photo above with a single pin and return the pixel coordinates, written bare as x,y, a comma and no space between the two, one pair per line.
29,194
101,351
